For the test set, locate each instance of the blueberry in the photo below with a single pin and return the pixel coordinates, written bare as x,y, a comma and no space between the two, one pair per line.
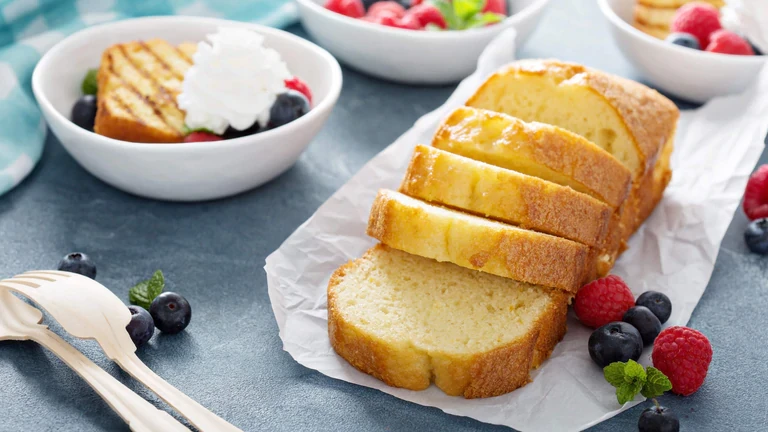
616,341
79,263
287,107
404,3
756,49
658,303
84,112
756,236
142,327
644,321
171,312
232,133
684,40
658,419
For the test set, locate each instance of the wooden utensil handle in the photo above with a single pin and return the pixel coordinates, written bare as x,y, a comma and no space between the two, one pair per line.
140,415
198,415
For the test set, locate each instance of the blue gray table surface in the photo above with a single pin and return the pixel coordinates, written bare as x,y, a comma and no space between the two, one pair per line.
230,358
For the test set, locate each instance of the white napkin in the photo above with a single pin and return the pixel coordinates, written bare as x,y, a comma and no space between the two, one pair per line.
674,252
748,18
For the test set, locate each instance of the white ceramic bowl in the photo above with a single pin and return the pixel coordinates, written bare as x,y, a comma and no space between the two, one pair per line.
407,56
689,74
189,171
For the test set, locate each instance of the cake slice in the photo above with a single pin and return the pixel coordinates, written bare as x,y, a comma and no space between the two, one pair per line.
410,321
473,242
444,178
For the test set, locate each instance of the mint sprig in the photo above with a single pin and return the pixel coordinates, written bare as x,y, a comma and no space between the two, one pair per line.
144,292
90,85
186,130
465,14
630,378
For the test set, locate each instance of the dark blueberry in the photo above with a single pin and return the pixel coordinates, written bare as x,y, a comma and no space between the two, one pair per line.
84,112
756,49
684,40
287,107
142,327
404,3
79,263
658,303
658,419
232,133
613,342
171,312
756,236
644,321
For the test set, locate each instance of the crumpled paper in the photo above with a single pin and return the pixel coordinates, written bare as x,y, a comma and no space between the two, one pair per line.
748,18
674,252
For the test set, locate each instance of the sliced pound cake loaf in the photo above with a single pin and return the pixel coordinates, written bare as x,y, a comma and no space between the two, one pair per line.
474,242
410,321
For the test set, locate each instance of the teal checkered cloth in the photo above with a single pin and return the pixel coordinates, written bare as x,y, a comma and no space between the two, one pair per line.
30,27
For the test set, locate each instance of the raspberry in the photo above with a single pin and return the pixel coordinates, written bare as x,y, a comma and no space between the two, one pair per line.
756,194
427,14
697,19
728,42
201,137
386,17
409,22
683,355
350,8
381,6
300,86
496,6
603,301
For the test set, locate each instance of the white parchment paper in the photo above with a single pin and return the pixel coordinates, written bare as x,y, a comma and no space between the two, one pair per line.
674,252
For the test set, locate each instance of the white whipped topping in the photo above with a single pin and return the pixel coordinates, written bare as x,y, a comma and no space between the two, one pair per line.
748,18
234,81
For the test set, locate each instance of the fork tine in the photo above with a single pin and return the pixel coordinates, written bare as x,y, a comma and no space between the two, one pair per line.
19,282
48,273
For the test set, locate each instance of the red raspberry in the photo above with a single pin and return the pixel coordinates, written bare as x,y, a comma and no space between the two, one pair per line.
386,17
697,19
300,86
416,2
727,42
496,6
409,22
350,8
381,6
201,137
756,194
683,354
602,301
427,14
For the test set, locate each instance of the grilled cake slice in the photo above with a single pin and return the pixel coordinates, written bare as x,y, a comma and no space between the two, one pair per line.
138,85
455,181
410,321
477,243
677,3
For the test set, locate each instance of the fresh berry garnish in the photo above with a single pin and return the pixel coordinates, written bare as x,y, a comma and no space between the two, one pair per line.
171,312
496,6
697,19
658,419
756,236
409,22
682,354
415,3
80,263
644,321
232,133
391,6
756,194
201,137
427,14
658,303
84,112
756,49
350,8
602,301
300,86
287,107
684,40
728,42
142,327
386,18
615,342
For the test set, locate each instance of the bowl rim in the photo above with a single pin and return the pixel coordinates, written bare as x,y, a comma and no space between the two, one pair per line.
617,21
526,12
325,104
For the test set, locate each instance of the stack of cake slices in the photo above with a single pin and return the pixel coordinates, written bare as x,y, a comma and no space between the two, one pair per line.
654,17
527,193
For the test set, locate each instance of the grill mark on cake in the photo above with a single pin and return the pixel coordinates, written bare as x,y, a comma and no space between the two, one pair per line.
183,55
160,60
127,109
130,86
158,85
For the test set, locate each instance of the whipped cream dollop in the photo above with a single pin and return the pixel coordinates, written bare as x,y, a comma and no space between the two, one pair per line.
234,81
748,18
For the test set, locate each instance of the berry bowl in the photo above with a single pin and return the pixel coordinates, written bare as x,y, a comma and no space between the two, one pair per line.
410,56
192,171
686,73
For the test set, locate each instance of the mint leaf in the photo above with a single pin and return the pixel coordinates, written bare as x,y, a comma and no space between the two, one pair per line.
90,85
627,391
446,10
483,19
656,383
634,372
465,9
186,130
144,292
614,373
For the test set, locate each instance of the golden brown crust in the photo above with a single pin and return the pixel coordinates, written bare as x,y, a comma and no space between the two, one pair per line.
654,16
508,196
504,141
469,241
677,3
657,32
